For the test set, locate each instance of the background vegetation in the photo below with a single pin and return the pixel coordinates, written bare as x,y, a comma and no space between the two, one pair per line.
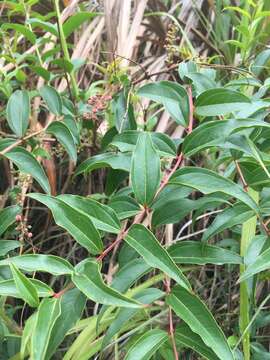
155,114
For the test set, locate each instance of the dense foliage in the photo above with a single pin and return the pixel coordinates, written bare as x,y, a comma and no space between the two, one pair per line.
135,196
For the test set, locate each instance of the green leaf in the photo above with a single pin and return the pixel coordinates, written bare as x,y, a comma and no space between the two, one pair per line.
9,288
208,182
52,99
102,216
145,170
187,338
124,315
194,252
26,336
124,206
46,26
147,345
72,305
173,97
24,286
201,82
215,133
27,33
126,141
7,246
28,164
237,214
260,62
18,112
145,243
76,20
174,208
87,278
220,101
74,221
70,122
195,313
109,159
261,263
123,113
48,312
64,136
45,263
8,217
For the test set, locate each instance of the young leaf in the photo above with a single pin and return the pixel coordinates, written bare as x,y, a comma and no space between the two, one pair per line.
26,336
8,217
18,112
220,101
261,263
145,170
25,31
24,286
194,312
8,288
194,252
113,160
87,278
208,182
147,345
45,263
145,243
28,164
52,99
102,216
74,221
64,136
186,337
173,97
48,312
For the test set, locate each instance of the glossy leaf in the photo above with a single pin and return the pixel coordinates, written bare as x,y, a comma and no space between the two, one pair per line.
187,338
52,99
237,214
74,221
76,20
208,182
215,133
8,245
261,263
220,101
145,170
147,345
72,304
8,217
145,243
195,313
64,136
126,141
8,288
102,216
39,262
28,164
113,160
124,315
124,206
173,97
48,312
18,112
88,279
194,252
24,286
